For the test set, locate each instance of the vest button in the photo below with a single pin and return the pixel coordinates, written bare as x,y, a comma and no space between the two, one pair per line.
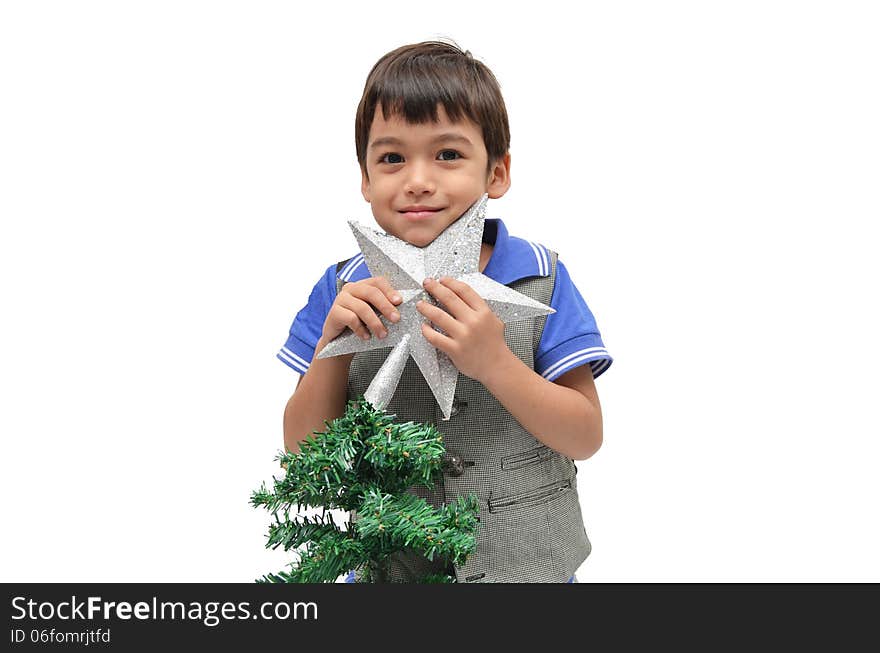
457,405
453,465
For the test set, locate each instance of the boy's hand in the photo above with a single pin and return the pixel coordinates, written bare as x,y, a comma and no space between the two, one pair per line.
474,338
353,308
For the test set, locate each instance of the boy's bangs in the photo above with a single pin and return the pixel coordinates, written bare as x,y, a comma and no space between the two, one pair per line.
415,99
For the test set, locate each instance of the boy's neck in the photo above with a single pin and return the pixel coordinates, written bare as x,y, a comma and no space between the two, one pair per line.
485,255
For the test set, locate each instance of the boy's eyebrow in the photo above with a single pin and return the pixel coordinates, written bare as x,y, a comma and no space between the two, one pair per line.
449,136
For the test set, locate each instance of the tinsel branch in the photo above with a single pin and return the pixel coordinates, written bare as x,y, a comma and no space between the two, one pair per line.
364,462
410,521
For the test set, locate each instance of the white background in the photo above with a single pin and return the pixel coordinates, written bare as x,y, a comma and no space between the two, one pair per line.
174,177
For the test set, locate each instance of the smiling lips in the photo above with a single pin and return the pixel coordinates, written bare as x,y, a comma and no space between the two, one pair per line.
418,212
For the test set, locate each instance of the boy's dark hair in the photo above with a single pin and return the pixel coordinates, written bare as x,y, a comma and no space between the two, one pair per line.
413,79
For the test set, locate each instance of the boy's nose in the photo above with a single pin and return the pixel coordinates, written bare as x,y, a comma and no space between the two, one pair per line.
419,179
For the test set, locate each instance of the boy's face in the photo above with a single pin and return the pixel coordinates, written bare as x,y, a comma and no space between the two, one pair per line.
439,166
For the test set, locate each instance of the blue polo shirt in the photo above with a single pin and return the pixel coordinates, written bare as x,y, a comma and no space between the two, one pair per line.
570,337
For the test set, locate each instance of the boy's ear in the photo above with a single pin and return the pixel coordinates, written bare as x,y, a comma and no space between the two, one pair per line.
499,178
365,186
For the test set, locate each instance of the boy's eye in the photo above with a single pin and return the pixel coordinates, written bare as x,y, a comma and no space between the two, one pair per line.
445,155
384,156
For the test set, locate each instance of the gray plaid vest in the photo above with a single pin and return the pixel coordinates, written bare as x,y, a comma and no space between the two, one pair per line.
531,529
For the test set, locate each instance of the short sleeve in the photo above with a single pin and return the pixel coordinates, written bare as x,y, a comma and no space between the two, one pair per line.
308,324
570,337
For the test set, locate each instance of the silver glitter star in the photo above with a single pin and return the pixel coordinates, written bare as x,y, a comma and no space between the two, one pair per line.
454,253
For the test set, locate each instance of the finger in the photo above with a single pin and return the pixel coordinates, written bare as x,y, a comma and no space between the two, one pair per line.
377,297
354,323
368,316
350,319
446,296
439,317
436,339
385,286
365,313
467,294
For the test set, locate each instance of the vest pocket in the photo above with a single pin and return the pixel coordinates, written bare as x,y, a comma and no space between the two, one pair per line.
530,457
543,494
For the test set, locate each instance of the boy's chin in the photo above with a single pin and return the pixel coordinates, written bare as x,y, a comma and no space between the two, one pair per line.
417,237
420,242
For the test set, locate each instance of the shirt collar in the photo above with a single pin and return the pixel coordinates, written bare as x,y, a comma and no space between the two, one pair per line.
512,258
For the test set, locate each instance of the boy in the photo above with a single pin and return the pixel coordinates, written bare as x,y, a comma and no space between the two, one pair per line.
432,137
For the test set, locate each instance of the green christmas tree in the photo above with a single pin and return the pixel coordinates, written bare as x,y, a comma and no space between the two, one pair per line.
364,462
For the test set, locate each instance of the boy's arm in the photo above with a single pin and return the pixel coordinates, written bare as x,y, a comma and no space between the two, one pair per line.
320,396
565,414
322,391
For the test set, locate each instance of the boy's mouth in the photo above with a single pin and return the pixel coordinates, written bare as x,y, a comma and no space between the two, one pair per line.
419,212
